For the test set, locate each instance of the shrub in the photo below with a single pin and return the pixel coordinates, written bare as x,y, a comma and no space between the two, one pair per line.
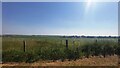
18,56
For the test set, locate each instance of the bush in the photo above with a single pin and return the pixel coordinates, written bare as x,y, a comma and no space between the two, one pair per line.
57,52
15,56
18,56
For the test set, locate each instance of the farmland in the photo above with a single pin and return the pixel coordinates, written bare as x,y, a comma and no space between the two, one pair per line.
30,49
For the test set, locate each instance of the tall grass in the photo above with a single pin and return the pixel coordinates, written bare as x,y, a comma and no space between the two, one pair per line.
53,48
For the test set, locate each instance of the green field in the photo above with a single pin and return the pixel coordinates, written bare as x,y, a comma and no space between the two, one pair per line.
54,48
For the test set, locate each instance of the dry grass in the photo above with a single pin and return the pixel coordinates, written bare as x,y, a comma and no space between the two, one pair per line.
92,61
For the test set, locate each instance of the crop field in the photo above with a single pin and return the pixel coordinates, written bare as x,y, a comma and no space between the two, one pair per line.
30,49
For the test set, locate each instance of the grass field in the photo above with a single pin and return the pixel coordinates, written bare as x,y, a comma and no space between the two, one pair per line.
92,61
54,48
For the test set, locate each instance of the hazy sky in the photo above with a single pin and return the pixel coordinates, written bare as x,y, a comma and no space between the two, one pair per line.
59,0
0,18
60,18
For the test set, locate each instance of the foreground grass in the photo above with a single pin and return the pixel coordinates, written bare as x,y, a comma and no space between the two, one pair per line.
92,61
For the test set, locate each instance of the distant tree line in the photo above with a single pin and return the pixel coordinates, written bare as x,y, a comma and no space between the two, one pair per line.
91,36
61,36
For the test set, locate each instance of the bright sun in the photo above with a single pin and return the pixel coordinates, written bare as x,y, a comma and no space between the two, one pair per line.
89,3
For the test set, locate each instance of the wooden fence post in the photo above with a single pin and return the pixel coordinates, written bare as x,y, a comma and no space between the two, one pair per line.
73,44
79,45
104,53
24,45
95,41
67,44
61,42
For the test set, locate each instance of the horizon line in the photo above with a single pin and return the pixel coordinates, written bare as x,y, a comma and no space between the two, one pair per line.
58,35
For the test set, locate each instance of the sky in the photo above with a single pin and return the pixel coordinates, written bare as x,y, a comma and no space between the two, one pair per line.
0,18
59,0
119,19
60,18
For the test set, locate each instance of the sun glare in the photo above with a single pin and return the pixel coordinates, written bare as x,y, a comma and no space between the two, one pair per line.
89,2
